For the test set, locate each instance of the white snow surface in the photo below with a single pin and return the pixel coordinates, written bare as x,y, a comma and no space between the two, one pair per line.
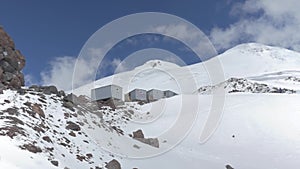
257,130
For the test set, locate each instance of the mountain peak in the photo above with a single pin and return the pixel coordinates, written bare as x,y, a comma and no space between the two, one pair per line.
158,64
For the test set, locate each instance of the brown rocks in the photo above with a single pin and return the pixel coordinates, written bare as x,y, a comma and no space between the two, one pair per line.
12,131
48,90
31,148
55,163
113,164
47,138
72,126
139,135
37,109
11,63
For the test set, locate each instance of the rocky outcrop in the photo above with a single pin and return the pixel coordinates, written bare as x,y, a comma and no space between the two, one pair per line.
242,85
113,164
11,63
139,136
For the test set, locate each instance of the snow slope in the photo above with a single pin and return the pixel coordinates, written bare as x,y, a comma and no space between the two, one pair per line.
242,61
256,131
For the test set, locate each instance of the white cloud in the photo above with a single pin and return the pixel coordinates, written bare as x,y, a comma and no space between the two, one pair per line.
29,80
60,72
178,30
190,36
119,66
276,23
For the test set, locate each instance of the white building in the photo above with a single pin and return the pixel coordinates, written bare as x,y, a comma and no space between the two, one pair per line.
107,92
154,94
137,95
169,93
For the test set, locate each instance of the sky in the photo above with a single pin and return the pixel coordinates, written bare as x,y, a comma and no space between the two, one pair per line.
51,34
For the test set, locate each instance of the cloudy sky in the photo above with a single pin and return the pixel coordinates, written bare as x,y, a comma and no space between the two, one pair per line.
52,33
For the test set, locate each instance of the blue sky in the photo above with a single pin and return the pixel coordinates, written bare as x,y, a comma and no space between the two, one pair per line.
51,31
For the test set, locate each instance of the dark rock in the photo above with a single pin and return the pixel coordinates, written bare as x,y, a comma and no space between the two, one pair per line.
2,87
11,62
12,120
7,76
72,134
72,126
150,141
37,109
68,105
7,67
71,98
13,111
21,91
15,82
50,149
89,155
80,157
112,103
1,73
50,90
32,148
38,129
113,164
12,131
229,167
47,138
138,134
61,93
55,163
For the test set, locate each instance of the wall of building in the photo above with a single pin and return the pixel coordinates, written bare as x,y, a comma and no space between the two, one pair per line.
154,94
106,92
138,95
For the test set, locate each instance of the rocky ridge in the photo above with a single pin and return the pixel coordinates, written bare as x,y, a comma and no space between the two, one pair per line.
11,63
238,85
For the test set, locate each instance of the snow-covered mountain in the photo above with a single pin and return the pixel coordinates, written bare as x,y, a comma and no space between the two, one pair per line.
259,128
243,61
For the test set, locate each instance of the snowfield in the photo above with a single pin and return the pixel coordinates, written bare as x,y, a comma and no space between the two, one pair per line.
259,127
251,61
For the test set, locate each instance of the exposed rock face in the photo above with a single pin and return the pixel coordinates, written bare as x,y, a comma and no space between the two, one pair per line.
11,63
139,135
235,85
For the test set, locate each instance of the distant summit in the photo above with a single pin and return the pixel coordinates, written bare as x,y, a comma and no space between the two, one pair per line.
11,63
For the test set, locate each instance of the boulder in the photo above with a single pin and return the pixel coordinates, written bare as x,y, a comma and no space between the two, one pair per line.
37,109
229,167
138,134
55,163
72,126
113,164
7,77
71,98
49,90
